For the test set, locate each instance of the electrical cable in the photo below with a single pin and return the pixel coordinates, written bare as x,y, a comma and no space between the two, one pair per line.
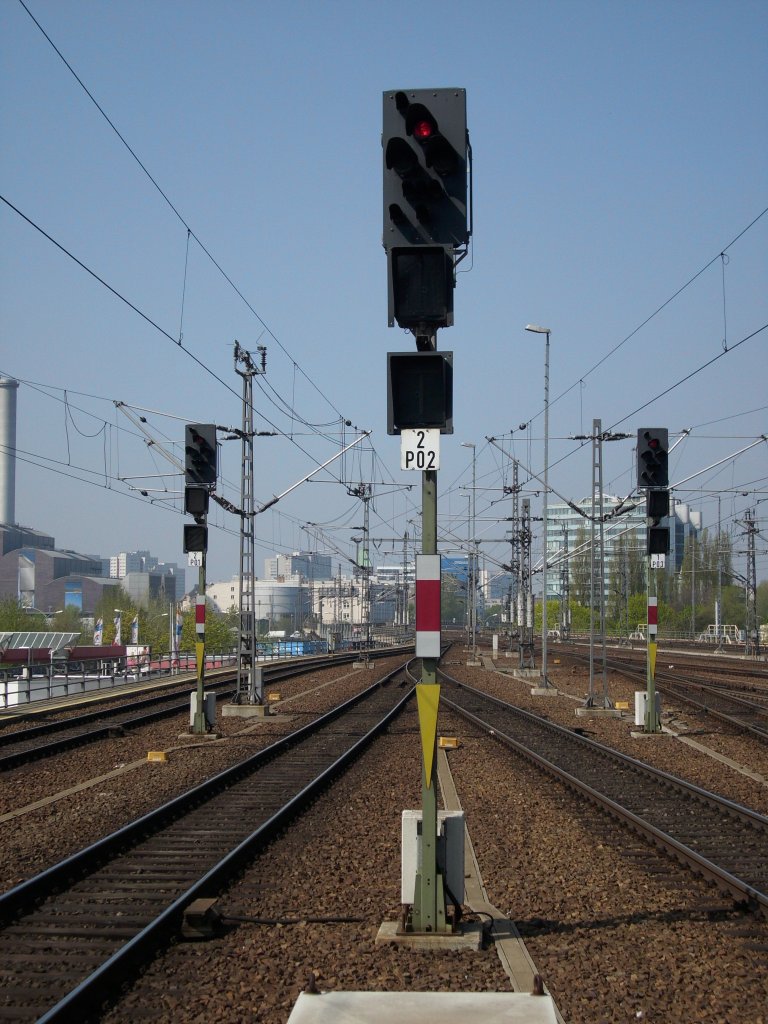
157,327
725,351
190,232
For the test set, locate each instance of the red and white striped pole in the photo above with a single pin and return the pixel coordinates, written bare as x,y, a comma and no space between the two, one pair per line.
200,726
651,719
200,629
427,606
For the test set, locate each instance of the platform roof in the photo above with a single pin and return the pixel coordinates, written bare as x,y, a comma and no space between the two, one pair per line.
36,640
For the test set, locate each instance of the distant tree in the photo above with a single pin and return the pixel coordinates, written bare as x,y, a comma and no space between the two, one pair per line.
112,599
553,614
14,618
579,618
619,587
453,600
691,579
219,635
637,566
68,621
725,555
734,607
638,610
638,613
155,624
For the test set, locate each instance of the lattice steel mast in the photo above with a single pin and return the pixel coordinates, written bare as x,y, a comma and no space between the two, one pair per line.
597,572
249,683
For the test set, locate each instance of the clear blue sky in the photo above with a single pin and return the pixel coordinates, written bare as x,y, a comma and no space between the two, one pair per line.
619,149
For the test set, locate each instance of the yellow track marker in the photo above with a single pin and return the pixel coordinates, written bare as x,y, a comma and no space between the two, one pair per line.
428,699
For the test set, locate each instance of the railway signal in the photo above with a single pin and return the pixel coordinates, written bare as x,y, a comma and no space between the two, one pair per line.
657,508
196,501
652,457
425,167
653,478
419,391
200,461
200,472
425,154
195,538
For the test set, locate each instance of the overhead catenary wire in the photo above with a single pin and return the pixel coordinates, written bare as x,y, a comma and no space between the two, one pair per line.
664,305
289,406
724,349
704,366
150,321
181,218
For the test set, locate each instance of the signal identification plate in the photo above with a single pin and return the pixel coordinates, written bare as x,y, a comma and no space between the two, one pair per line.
420,449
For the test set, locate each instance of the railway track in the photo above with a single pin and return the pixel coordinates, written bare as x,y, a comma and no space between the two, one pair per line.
703,662
742,709
48,738
23,746
718,839
108,908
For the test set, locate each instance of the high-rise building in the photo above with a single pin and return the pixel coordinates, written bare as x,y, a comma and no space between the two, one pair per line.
146,578
310,565
569,526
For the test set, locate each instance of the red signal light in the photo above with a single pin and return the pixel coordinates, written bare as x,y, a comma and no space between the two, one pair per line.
424,129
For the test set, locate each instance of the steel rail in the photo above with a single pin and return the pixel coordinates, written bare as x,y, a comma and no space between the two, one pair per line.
703,656
85,999
129,720
106,731
738,888
682,688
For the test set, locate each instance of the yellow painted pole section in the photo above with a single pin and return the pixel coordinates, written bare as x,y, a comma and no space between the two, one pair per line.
428,699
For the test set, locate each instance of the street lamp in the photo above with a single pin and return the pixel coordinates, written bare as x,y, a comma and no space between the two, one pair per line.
535,329
118,625
472,581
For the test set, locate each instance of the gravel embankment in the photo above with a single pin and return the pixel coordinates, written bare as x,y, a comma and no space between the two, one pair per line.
125,785
618,932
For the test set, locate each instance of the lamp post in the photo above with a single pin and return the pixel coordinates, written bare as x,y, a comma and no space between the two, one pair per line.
118,622
148,623
535,329
472,581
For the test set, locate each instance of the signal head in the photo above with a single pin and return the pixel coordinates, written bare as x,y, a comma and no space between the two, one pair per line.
652,457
